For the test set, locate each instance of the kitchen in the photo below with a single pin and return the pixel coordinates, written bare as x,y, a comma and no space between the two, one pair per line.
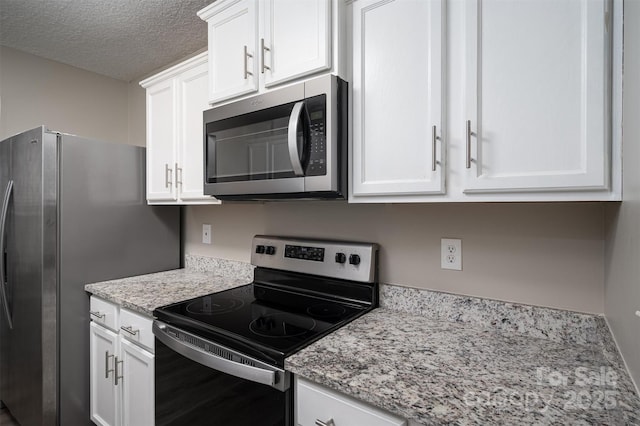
573,256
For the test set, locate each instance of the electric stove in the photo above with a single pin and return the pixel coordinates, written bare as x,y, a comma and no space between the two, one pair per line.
239,338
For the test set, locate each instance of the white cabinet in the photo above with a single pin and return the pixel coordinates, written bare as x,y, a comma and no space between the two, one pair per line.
316,404
485,101
397,98
138,391
122,369
176,99
536,95
232,43
297,39
104,395
254,45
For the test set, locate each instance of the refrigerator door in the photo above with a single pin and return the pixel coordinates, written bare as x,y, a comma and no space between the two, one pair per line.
29,349
107,231
5,173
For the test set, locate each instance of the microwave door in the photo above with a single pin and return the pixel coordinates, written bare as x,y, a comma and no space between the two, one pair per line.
258,153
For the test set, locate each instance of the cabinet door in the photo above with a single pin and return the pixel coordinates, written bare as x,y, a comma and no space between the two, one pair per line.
536,95
397,98
138,390
297,39
233,51
104,401
193,101
161,135
315,404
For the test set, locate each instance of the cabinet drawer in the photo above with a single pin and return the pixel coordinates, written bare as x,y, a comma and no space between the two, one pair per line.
104,313
137,328
315,402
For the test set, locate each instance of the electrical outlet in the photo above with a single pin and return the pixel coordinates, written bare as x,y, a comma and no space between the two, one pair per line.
206,234
451,254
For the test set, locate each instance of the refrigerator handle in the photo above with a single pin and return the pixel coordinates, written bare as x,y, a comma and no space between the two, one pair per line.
3,272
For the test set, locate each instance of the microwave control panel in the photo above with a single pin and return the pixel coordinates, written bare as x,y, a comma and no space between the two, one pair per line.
317,160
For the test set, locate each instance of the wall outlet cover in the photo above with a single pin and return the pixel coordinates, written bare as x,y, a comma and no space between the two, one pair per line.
451,254
206,234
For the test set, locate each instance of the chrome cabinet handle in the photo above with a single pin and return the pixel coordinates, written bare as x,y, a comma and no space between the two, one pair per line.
167,176
178,175
294,152
129,330
327,423
247,55
469,134
98,314
264,50
434,139
107,370
116,376
3,275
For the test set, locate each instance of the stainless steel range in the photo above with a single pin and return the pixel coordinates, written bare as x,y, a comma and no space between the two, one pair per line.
220,358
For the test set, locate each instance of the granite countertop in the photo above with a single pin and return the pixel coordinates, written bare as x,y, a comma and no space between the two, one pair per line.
144,293
437,372
437,358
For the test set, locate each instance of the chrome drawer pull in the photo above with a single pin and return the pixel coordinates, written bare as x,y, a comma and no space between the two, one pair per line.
107,370
247,55
469,134
264,49
116,375
327,423
129,330
98,314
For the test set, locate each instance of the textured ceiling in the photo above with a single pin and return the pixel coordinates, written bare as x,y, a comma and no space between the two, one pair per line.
123,39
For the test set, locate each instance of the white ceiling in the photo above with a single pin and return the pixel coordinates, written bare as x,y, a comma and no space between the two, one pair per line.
123,39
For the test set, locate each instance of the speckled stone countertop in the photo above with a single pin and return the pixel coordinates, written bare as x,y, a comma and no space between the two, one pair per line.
437,358
145,293
441,369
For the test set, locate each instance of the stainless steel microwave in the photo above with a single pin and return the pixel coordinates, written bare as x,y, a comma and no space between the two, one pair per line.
287,143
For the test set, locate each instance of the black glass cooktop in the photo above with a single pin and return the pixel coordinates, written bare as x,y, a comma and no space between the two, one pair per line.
269,323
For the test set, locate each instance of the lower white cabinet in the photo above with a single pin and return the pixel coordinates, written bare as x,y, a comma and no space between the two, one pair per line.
122,370
317,405
137,385
104,395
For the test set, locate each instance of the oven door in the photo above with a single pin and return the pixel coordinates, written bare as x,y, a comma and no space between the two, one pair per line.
198,382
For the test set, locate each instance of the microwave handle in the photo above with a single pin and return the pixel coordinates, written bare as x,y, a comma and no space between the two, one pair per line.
294,151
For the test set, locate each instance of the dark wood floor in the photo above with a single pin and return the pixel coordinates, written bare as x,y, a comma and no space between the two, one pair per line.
6,419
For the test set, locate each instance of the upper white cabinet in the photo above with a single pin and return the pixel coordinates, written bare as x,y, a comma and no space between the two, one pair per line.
397,97
297,39
176,99
488,100
254,45
536,95
233,54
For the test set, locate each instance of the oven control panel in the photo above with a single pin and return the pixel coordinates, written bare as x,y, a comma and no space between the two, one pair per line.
337,259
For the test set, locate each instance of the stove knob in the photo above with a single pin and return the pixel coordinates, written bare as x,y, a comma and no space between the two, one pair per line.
354,259
260,249
270,250
341,258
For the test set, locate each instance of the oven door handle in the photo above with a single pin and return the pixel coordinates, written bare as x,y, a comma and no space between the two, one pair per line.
294,149
274,378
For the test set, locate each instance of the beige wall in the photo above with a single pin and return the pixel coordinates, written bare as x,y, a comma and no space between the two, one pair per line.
137,118
540,254
36,91
622,260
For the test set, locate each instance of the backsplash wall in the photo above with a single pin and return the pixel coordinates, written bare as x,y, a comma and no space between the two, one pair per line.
546,254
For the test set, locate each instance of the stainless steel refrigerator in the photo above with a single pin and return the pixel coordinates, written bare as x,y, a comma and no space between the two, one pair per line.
73,212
